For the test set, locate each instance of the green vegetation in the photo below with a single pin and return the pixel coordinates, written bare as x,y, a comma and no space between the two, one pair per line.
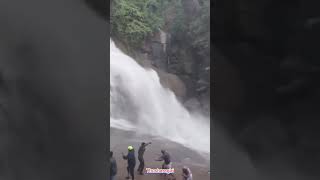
195,29
199,29
132,21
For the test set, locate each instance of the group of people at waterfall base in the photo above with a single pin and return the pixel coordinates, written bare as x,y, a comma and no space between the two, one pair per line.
131,160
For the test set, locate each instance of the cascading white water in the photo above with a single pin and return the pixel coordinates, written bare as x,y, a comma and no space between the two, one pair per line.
140,103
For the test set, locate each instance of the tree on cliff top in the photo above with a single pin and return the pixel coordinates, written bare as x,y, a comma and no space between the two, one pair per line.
133,20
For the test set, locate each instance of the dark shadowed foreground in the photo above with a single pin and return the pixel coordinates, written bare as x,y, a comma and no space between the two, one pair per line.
53,66
267,92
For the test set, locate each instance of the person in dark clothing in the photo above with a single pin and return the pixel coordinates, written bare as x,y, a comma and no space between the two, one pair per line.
165,157
131,162
113,167
141,151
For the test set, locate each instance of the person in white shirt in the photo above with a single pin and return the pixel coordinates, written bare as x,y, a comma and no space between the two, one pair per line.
186,173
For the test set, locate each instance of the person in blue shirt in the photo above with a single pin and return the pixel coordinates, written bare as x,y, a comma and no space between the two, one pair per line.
130,157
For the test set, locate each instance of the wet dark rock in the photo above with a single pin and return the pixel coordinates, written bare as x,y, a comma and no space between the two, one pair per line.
192,104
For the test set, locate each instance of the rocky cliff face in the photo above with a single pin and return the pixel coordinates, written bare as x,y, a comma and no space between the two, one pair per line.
181,67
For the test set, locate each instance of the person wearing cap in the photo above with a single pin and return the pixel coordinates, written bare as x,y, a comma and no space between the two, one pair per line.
141,151
186,173
130,157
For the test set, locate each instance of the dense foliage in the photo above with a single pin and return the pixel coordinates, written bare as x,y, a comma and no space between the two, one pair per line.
195,29
134,20
199,29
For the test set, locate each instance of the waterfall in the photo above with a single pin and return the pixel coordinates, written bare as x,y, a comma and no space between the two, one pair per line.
139,103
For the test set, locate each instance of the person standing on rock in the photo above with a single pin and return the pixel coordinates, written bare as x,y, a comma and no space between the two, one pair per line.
141,151
186,173
166,158
131,162
167,161
113,167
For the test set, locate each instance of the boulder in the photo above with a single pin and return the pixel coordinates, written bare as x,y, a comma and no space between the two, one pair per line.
173,82
192,104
